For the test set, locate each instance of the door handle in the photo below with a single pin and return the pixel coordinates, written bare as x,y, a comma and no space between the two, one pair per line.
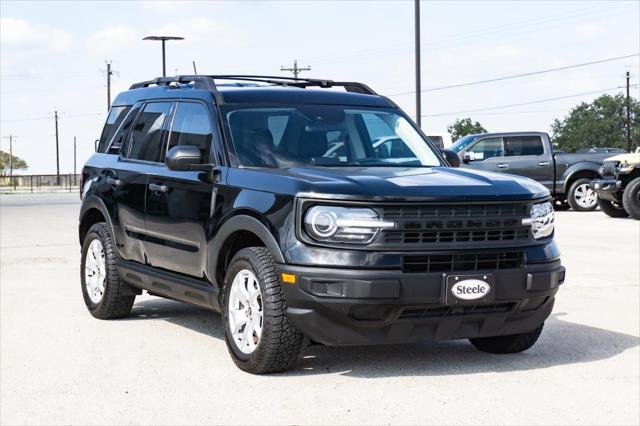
543,163
158,188
503,166
113,181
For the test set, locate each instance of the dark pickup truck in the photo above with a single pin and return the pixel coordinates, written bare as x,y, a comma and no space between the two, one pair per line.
531,154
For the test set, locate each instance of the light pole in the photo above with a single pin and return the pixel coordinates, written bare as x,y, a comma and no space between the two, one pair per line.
163,39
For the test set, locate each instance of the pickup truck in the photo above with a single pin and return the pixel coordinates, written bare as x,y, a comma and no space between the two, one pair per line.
531,154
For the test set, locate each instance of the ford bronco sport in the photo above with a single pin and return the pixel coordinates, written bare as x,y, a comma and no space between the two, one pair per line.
308,208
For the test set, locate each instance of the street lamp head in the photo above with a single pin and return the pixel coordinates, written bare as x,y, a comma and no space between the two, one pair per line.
162,38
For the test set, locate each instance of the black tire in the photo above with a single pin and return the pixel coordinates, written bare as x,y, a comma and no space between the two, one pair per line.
611,208
117,298
508,344
631,198
560,205
279,345
571,196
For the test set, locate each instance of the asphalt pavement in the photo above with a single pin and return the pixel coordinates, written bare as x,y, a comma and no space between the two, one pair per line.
168,364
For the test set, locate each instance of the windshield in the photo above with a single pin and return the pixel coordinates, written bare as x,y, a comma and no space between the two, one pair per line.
461,143
326,136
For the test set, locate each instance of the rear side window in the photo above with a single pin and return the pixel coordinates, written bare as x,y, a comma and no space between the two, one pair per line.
114,119
191,126
148,132
523,145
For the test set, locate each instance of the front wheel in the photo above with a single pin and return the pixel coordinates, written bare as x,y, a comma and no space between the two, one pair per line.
611,208
258,334
508,344
631,198
581,197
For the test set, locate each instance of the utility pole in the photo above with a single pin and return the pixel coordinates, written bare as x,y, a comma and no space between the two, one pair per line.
11,138
163,39
295,70
109,74
628,76
417,54
57,150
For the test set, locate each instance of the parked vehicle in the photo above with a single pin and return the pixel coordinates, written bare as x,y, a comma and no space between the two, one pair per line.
440,140
231,197
531,154
619,189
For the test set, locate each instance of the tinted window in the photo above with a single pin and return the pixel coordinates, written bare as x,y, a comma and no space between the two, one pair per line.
487,148
276,125
123,131
116,115
523,145
147,134
191,126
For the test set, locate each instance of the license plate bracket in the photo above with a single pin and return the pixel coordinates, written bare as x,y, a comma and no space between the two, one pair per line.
461,289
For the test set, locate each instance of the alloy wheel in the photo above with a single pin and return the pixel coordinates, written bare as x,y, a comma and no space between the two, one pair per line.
245,311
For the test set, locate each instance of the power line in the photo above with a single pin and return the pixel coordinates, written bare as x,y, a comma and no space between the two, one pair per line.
48,117
525,103
526,74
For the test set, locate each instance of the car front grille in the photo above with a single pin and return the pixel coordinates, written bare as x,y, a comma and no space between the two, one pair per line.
462,262
434,226
448,311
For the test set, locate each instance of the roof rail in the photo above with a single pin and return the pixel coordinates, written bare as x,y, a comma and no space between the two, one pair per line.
207,82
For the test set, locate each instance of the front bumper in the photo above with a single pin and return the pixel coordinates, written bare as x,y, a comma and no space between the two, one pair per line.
358,307
607,189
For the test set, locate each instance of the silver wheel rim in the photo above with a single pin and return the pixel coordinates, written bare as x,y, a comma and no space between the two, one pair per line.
95,271
245,311
585,196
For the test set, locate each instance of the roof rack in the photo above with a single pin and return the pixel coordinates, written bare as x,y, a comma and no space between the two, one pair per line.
207,82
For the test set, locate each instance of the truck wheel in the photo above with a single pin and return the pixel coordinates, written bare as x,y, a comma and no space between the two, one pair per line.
259,336
612,208
631,198
508,344
581,197
104,294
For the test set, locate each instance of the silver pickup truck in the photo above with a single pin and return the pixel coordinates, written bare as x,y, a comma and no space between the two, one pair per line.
531,154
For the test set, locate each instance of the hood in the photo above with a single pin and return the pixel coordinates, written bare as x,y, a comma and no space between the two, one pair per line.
633,158
436,183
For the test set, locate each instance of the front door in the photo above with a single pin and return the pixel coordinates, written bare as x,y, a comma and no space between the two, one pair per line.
179,203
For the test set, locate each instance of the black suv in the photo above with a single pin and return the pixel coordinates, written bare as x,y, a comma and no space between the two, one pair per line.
298,210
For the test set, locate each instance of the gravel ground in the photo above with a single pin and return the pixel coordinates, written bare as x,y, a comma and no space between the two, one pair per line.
168,364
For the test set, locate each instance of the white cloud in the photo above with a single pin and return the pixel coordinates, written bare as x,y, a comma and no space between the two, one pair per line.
20,33
588,31
201,29
111,39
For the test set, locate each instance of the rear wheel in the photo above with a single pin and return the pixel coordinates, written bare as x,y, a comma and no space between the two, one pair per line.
631,198
258,334
508,344
611,208
104,294
581,197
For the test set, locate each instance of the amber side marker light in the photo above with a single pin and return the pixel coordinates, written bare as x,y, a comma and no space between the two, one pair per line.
288,278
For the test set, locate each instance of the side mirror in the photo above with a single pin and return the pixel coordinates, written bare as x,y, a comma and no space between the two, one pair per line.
468,156
452,157
183,158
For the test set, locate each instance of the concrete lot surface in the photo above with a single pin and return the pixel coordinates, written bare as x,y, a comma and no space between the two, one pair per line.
168,364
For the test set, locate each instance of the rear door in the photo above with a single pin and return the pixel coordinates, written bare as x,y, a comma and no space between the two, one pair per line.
528,156
179,203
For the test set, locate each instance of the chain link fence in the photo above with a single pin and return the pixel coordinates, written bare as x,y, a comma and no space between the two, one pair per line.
39,183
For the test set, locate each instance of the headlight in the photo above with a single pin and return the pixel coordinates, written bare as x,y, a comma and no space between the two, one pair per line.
626,168
344,224
541,220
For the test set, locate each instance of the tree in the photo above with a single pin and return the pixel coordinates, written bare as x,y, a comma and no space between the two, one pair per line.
600,123
18,163
464,127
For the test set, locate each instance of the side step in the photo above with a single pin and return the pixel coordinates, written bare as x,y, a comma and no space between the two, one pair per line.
173,286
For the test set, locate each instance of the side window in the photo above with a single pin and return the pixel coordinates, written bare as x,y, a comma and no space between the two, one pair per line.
192,126
487,148
523,145
147,135
115,117
120,137
437,141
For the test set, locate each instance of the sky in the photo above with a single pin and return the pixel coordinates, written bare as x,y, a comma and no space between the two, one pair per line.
52,57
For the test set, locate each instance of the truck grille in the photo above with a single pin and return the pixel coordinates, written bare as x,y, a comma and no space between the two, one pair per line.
462,262
446,311
424,225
